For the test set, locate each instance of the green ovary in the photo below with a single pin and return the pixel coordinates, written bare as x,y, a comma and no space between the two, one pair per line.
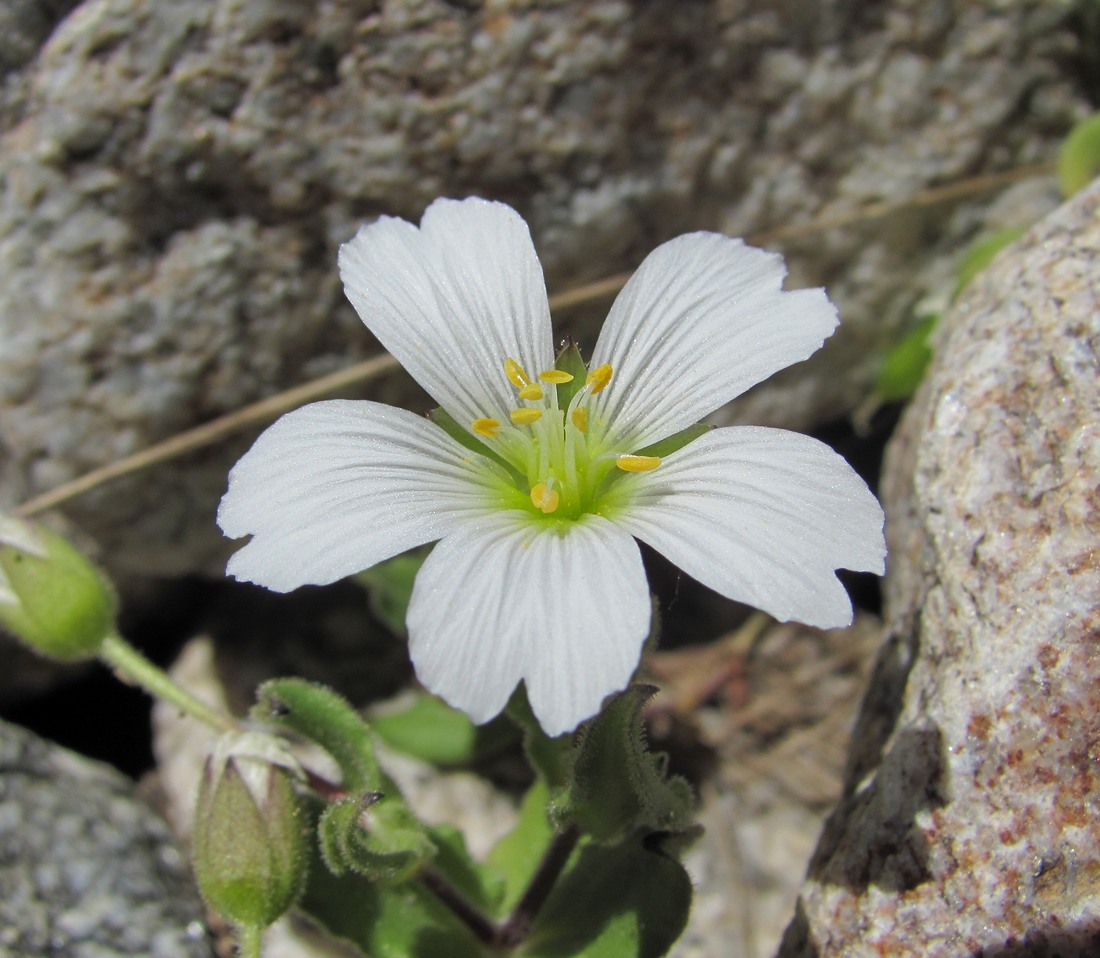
560,473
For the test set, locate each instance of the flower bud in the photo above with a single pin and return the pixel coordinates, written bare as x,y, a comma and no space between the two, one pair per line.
51,596
250,846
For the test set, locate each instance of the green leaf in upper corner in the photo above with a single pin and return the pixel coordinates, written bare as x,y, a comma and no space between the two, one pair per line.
904,366
671,444
327,718
1079,158
622,901
980,254
518,854
434,732
389,587
616,785
569,360
387,921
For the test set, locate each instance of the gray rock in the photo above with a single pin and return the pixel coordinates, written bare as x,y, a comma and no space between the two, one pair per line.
179,175
971,820
86,871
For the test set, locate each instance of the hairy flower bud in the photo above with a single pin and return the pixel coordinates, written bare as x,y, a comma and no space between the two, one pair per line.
249,843
51,596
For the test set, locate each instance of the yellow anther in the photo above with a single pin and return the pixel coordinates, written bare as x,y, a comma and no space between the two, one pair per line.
580,418
526,416
599,378
544,498
638,463
534,391
486,427
516,374
556,376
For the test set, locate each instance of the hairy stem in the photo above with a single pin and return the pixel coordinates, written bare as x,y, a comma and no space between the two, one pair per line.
130,665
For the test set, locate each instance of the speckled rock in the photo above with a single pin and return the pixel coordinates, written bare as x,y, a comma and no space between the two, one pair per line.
971,825
85,870
177,177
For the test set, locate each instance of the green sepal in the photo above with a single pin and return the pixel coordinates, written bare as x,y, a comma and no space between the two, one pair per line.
389,587
569,360
670,444
51,596
327,718
373,836
432,731
517,855
980,254
1079,157
617,786
629,900
451,426
904,366
251,855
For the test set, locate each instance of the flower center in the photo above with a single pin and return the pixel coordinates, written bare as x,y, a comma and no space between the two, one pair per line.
566,469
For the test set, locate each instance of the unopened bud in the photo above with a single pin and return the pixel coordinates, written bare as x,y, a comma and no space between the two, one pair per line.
250,846
51,596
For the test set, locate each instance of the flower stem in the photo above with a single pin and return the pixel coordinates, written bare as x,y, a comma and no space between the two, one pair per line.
132,666
512,932
249,941
519,923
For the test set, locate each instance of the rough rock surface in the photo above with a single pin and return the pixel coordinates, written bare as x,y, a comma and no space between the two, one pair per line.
85,870
177,177
971,824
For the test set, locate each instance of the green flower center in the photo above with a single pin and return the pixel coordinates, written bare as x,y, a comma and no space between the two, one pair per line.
554,445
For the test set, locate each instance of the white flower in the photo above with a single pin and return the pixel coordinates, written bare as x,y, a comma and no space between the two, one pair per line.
536,575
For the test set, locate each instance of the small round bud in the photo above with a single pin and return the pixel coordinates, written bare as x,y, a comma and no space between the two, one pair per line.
250,847
51,596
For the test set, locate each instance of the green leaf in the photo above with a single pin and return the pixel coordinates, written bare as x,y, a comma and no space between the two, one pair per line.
904,366
518,854
617,785
480,884
434,732
980,254
327,718
622,901
570,361
373,836
389,587
549,757
387,921
671,444
1079,158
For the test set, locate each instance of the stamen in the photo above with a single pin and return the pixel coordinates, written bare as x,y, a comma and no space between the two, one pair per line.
637,463
526,416
516,374
486,427
556,376
580,418
534,391
599,378
545,498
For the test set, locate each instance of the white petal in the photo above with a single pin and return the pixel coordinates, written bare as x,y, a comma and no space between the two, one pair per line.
505,600
762,516
334,487
702,320
453,300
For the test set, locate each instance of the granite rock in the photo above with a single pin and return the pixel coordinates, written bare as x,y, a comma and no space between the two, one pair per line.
86,871
177,177
971,819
